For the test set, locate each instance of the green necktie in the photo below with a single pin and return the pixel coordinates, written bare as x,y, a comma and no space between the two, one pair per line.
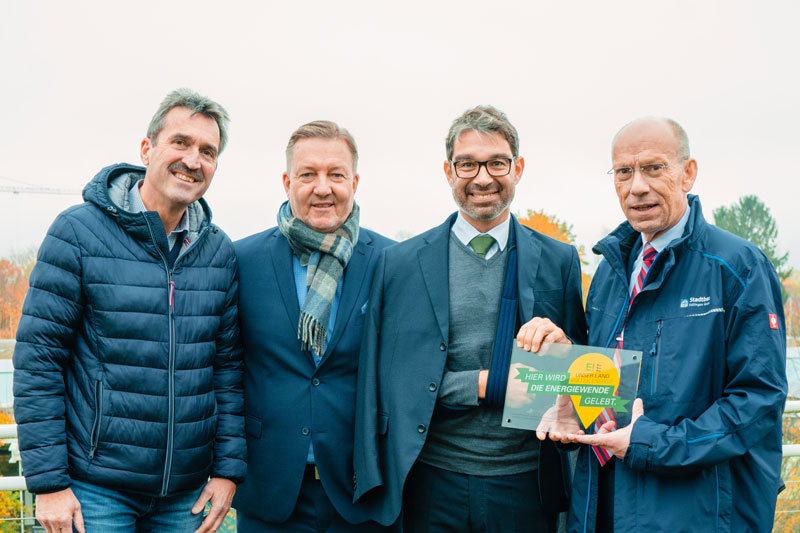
481,244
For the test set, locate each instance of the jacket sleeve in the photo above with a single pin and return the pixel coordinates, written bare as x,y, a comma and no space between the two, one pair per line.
230,448
45,336
752,402
366,460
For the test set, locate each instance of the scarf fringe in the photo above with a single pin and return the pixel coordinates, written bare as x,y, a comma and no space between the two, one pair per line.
311,334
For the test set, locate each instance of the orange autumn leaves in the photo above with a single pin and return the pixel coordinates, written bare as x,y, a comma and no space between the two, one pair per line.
561,231
13,286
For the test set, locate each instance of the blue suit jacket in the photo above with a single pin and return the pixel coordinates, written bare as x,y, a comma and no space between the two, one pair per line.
405,348
289,401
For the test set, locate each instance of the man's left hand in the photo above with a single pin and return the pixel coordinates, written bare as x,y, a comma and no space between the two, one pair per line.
538,330
219,491
616,442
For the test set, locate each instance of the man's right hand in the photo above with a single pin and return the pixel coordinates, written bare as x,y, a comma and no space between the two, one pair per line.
560,422
58,511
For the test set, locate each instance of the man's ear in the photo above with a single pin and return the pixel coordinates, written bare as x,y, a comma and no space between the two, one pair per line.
286,183
519,166
448,173
144,151
689,175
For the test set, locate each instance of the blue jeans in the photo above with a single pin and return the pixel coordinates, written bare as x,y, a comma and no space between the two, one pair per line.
109,510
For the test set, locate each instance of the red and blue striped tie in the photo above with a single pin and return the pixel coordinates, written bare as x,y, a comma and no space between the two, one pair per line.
607,415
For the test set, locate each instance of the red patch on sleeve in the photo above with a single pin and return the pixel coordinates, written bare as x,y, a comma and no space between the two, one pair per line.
773,321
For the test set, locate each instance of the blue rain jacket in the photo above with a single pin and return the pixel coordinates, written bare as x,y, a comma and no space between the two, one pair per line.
706,454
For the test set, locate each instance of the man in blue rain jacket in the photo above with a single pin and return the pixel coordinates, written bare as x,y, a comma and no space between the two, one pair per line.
703,452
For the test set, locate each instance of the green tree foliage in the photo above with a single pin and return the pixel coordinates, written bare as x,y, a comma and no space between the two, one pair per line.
750,219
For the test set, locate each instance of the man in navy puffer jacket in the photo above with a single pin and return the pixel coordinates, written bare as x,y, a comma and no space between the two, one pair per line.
128,367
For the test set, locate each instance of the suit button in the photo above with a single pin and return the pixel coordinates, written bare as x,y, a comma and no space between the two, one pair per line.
432,387
421,428
443,347
305,431
315,382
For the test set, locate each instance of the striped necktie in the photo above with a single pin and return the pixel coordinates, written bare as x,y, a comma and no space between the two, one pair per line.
607,415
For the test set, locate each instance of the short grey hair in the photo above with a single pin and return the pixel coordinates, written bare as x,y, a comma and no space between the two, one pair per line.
195,103
325,129
683,138
484,119
677,130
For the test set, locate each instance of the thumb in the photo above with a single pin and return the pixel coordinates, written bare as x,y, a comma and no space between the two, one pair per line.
200,504
77,520
638,409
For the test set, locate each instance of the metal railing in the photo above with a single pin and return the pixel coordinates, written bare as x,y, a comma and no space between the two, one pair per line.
9,431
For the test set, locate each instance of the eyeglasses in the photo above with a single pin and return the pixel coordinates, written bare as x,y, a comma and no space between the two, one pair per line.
467,168
652,170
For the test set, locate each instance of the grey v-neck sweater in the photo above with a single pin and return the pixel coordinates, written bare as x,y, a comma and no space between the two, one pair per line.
472,441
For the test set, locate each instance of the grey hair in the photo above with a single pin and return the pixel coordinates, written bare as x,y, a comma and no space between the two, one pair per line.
321,129
677,130
195,103
484,119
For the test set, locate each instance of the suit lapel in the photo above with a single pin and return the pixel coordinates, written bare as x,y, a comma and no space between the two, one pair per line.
281,254
529,252
433,261
355,275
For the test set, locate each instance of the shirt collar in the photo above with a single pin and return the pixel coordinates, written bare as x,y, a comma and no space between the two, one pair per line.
137,206
466,231
675,232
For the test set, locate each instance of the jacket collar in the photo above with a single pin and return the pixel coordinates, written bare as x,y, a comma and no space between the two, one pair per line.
616,247
433,258
108,190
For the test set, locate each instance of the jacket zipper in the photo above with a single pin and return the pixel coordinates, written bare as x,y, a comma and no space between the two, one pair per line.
654,351
171,372
171,379
98,414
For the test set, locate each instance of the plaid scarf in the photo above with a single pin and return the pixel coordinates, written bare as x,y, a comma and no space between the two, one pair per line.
326,255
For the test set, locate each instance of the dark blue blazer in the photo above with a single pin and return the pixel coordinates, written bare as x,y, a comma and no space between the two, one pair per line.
405,348
289,401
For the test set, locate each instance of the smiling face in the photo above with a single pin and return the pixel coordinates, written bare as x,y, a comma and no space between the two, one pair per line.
320,183
652,205
484,200
180,161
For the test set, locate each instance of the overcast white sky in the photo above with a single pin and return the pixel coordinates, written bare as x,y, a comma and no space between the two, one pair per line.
79,82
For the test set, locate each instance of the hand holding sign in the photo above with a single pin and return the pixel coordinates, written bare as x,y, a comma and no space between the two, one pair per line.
616,442
559,422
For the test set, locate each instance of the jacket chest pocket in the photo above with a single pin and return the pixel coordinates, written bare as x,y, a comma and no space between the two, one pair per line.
685,362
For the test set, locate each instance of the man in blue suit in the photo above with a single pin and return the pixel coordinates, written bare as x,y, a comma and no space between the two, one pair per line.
444,309
303,295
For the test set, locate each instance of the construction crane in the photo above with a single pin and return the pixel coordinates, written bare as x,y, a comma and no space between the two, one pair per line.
33,189
38,190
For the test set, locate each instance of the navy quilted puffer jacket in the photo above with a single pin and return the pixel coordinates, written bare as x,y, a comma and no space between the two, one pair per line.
128,373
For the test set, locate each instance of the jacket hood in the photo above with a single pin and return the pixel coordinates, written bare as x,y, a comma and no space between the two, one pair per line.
108,190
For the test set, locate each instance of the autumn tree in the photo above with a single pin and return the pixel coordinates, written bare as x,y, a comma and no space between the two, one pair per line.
559,230
13,285
791,308
786,516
